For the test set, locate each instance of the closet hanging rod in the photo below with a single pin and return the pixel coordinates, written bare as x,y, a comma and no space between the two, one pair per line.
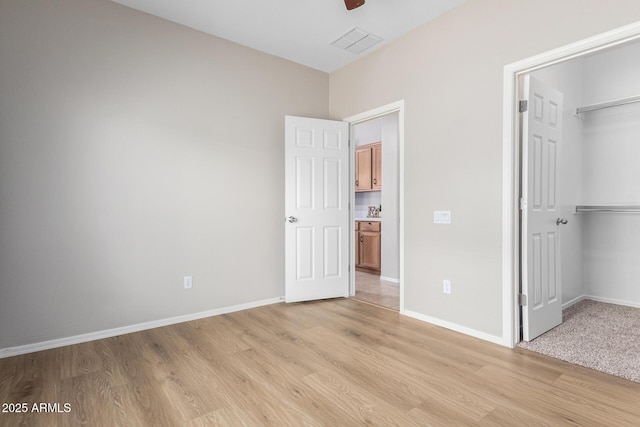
605,208
602,105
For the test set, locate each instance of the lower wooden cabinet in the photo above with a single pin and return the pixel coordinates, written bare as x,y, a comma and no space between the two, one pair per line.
368,248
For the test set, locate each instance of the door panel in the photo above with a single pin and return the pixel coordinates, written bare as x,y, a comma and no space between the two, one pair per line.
332,252
304,253
541,139
332,184
304,182
316,208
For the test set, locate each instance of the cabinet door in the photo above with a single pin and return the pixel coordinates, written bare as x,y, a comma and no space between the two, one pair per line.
370,250
376,167
363,169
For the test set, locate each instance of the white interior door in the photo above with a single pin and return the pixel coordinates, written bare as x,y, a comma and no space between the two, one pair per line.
541,135
317,209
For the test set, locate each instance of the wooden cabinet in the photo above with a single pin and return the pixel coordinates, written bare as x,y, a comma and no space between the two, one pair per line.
368,240
369,167
376,166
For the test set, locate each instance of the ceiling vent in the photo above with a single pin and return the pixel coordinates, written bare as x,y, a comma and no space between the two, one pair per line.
356,40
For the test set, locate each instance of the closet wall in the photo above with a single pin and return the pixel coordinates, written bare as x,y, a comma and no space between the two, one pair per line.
611,175
599,164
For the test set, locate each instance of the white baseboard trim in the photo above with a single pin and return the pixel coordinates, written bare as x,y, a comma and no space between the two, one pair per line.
573,301
458,328
108,333
389,279
601,299
613,301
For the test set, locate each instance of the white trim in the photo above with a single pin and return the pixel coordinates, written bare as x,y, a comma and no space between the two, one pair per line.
613,301
457,328
510,172
398,107
601,299
108,333
389,279
573,301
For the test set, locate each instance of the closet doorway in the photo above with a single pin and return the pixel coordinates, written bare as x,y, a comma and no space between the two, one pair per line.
596,182
376,140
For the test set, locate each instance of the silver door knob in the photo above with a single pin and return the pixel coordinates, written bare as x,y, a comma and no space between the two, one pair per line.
561,221
291,219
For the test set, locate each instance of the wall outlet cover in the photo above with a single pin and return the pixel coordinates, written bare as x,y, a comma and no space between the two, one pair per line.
446,286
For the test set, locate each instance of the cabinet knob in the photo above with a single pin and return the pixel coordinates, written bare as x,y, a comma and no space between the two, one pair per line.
357,183
375,181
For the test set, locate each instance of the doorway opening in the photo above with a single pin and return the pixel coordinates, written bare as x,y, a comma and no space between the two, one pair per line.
377,198
571,272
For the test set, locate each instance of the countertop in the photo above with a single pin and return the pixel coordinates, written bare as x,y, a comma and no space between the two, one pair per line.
368,219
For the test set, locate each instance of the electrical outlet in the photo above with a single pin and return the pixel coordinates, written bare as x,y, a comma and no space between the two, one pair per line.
188,282
446,286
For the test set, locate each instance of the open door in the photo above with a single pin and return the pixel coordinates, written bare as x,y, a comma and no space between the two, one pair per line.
317,218
540,252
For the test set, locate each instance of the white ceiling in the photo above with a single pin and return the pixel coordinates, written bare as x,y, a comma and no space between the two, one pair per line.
297,30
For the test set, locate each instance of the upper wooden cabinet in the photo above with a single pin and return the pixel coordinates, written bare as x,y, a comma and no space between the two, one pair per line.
369,167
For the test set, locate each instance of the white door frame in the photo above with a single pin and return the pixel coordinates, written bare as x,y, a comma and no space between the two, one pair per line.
511,163
394,107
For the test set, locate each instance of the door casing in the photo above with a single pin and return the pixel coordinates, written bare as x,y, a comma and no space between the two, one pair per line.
511,171
394,107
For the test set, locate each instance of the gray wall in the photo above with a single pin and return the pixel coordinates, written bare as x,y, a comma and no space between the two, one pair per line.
133,152
450,74
390,268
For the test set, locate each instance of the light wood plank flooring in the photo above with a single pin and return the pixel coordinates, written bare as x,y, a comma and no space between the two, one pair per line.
371,289
328,363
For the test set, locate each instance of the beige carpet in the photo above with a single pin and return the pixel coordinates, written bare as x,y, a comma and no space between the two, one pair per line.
597,335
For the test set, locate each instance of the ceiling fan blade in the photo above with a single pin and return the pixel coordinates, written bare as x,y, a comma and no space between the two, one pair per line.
352,4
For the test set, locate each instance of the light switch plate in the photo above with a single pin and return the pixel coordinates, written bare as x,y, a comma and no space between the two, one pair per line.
446,286
442,217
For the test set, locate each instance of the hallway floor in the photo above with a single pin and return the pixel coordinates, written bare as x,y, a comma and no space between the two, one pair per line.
371,289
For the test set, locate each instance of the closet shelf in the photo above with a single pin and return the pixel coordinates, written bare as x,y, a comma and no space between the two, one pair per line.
615,103
609,208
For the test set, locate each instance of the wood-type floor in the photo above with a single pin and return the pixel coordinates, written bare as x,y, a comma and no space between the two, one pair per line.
371,289
328,363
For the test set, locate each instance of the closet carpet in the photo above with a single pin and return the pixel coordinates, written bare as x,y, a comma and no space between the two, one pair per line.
596,335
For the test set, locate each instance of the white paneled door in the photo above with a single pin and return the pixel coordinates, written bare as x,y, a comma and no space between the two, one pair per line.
541,134
316,209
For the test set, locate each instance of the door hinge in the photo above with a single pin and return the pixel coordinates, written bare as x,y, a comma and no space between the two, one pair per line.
523,106
523,204
522,300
